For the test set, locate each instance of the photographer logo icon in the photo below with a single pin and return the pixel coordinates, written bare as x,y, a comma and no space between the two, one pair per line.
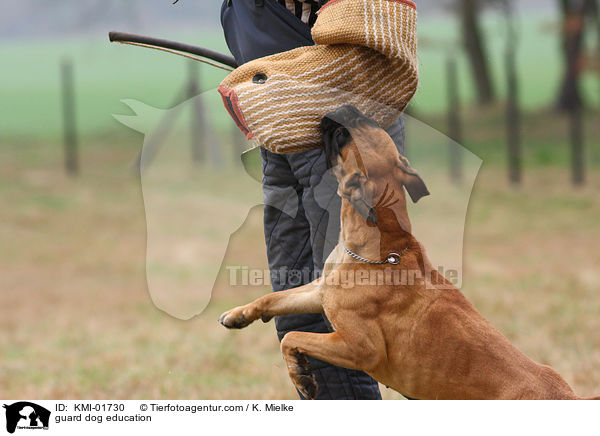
26,416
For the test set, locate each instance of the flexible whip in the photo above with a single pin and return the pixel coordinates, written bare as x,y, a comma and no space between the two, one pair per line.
221,60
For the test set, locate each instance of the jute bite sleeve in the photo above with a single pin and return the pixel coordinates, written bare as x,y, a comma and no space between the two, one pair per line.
365,55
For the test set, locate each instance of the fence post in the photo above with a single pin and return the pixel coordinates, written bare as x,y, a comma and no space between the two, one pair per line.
513,123
69,122
513,114
577,165
454,121
198,122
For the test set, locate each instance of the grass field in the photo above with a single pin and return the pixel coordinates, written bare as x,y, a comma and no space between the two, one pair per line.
78,321
105,74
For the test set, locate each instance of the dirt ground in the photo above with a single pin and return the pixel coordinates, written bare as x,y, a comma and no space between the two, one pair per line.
77,320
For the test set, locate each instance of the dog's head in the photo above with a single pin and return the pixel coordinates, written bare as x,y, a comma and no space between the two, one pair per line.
366,162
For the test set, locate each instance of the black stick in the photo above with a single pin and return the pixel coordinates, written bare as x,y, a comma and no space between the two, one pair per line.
174,45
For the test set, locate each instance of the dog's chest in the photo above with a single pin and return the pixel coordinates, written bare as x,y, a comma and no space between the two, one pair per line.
347,289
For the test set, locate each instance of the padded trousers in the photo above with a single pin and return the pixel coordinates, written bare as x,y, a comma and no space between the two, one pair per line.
298,246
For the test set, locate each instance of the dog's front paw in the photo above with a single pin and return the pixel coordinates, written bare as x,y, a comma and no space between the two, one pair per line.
235,319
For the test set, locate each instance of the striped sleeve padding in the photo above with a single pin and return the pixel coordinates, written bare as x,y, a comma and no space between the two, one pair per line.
365,55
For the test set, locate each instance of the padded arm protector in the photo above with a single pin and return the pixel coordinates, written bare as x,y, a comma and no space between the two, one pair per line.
365,55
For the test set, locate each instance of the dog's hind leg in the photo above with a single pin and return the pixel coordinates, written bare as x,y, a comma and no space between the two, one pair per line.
304,299
329,347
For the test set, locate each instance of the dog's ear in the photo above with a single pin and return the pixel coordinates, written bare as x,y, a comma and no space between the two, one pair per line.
335,137
412,181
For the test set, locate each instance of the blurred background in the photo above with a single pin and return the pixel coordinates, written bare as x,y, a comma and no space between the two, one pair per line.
515,83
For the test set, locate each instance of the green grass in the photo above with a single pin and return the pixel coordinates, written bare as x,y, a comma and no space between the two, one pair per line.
545,137
30,103
539,62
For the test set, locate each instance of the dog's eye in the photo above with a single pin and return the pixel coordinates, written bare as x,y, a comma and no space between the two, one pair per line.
354,181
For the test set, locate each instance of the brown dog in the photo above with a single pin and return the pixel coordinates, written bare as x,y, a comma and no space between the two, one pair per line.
422,338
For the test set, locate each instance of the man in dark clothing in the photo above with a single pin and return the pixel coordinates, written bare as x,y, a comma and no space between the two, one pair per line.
297,247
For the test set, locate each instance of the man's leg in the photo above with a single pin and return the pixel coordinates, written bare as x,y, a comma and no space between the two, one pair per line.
295,247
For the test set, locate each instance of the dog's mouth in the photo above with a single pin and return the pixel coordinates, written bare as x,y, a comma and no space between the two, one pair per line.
349,117
336,128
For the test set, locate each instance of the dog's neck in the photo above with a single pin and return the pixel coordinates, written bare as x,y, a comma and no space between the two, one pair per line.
392,234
